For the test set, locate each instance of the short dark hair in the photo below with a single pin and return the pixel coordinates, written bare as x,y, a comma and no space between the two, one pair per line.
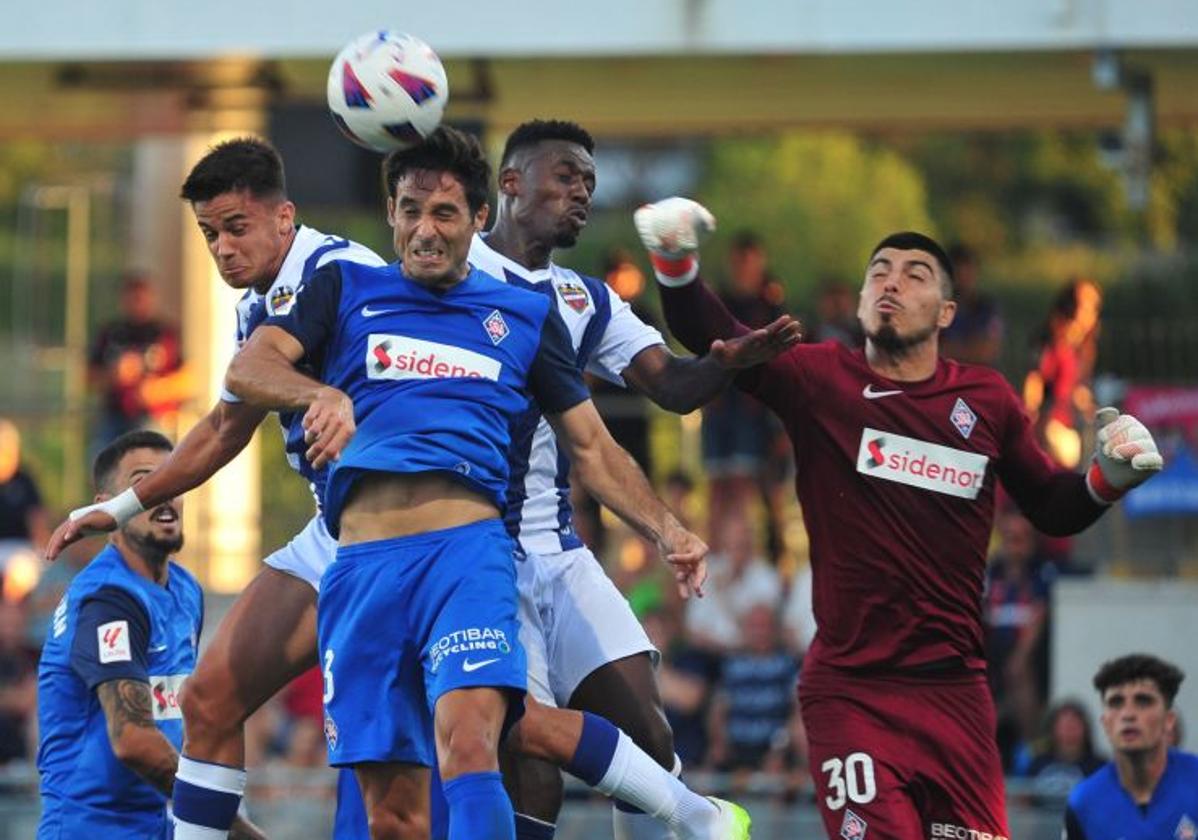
909,240
111,455
245,163
1140,666
445,150
537,131
746,240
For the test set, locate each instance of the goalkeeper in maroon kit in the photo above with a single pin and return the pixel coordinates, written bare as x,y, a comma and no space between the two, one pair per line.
898,454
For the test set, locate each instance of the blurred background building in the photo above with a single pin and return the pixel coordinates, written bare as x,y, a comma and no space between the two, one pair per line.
1053,143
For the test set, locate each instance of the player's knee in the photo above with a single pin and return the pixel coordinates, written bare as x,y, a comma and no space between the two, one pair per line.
385,824
467,749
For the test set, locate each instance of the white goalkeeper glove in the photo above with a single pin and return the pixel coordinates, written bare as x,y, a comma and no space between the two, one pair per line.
672,230
1126,456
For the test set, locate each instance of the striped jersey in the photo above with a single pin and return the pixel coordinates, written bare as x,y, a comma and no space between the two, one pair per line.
606,335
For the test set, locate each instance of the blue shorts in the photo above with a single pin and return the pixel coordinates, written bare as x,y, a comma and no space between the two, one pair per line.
403,621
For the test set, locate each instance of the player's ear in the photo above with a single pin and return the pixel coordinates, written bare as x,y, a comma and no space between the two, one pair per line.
480,218
948,311
391,211
286,217
509,181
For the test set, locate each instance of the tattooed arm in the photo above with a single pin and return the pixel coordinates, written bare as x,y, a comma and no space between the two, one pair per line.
136,741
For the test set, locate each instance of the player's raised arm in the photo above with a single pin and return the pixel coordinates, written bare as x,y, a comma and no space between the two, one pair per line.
211,443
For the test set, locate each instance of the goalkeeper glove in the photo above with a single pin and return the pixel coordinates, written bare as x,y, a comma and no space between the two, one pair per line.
1126,456
672,230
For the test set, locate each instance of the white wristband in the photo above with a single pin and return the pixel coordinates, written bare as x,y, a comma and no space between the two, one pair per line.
121,507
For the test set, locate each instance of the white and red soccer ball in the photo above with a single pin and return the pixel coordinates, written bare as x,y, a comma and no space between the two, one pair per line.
387,90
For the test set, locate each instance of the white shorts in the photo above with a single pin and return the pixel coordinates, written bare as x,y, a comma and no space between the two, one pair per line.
308,554
573,620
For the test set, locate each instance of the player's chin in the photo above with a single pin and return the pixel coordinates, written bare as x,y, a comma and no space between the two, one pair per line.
567,237
169,540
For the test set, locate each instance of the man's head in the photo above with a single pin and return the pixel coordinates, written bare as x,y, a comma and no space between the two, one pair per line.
546,180
746,263
239,195
1018,538
120,465
907,295
436,202
1137,694
138,300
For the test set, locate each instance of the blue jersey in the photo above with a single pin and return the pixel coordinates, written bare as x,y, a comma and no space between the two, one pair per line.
310,250
1101,809
437,377
112,623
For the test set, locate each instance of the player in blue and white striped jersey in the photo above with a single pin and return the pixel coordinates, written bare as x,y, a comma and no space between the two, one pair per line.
585,648
238,194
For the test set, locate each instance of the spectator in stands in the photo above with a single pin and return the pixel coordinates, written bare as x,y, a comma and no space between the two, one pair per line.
738,579
756,697
744,451
1015,609
22,516
18,684
685,677
975,335
136,365
836,315
1068,754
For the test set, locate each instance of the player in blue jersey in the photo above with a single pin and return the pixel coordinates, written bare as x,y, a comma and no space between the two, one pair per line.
423,366
1149,791
585,648
270,633
122,641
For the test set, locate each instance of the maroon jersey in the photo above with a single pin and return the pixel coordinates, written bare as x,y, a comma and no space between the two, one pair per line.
896,482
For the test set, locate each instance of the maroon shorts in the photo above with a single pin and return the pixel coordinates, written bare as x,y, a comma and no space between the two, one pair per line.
901,758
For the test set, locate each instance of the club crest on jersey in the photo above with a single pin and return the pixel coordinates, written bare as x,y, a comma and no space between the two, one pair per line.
853,827
281,298
496,327
1186,829
963,418
575,296
330,731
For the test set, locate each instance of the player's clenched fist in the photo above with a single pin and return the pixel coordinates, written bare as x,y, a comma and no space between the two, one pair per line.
1126,456
672,230
328,426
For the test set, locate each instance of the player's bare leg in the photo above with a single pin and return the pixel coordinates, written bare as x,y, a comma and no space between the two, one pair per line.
469,724
396,798
267,639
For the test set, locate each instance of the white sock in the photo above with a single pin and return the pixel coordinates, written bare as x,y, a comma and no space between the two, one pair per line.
206,795
637,779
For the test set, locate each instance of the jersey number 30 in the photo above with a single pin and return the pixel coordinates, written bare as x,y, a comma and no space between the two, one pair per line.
850,780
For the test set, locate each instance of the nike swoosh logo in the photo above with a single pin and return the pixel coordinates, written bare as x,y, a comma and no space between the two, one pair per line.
469,666
870,394
367,312
158,649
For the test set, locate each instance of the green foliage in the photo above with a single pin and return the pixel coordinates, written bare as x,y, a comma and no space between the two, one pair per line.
820,201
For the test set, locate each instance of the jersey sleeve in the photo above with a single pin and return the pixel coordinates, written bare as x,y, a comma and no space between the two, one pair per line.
553,378
312,319
255,315
625,336
111,638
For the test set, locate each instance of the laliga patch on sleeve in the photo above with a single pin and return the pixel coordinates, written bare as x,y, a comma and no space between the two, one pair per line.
114,642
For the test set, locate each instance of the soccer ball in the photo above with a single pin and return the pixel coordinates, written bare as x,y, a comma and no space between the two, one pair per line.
387,90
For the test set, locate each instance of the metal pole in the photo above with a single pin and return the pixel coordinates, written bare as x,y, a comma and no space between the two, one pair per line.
75,374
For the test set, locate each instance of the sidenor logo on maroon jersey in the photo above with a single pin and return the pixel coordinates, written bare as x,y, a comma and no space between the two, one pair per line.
929,466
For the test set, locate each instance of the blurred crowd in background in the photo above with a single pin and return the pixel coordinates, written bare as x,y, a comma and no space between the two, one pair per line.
730,660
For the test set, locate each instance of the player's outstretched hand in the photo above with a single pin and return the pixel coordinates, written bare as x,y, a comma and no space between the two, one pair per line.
672,229
1126,456
243,829
759,346
82,523
328,426
686,554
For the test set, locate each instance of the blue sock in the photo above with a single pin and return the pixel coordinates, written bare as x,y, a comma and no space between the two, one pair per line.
206,797
530,828
479,808
595,750
438,808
